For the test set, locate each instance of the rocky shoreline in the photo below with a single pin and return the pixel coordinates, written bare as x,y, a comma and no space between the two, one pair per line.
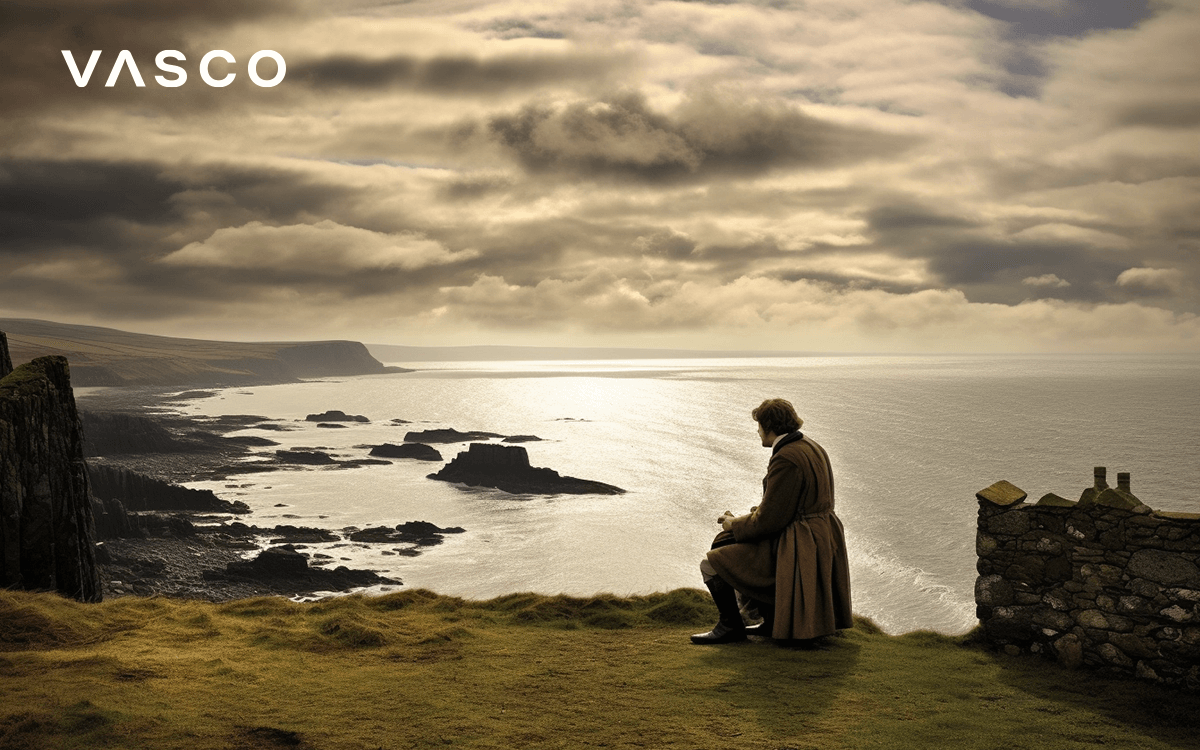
161,539
156,538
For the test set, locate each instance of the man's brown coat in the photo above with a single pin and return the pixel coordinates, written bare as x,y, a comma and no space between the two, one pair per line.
791,549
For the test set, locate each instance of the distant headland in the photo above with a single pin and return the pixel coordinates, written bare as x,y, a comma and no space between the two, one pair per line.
109,357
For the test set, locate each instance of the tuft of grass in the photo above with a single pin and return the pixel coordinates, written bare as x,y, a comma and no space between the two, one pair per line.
414,669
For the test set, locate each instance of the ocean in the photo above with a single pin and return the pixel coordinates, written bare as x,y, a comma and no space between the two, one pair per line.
911,439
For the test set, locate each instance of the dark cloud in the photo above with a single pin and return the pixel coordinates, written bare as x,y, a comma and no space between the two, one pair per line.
667,244
474,187
912,216
521,28
992,271
1070,18
708,136
461,74
1165,115
139,210
48,204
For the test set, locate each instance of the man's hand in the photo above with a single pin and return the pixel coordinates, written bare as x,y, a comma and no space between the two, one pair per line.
725,519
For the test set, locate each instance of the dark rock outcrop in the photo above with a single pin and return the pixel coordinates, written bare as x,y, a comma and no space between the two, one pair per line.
307,458
117,433
335,416
521,439
419,451
47,532
277,534
288,569
113,521
450,435
137,492
420,533
506,467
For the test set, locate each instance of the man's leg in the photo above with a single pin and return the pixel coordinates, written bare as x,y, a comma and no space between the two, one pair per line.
729,628
767,612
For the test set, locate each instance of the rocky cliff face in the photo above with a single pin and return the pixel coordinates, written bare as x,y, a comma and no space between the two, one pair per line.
5,361
46,525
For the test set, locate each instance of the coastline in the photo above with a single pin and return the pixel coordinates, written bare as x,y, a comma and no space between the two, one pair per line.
190,553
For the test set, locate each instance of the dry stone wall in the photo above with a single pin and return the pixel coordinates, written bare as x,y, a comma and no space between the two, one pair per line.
46,523
1104,582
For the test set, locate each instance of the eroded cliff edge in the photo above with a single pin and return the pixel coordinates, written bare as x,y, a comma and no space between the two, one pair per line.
46,525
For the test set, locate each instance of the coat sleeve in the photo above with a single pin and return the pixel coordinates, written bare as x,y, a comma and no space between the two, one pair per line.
781,494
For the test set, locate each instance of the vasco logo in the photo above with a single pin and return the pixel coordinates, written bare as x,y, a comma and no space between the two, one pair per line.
125,60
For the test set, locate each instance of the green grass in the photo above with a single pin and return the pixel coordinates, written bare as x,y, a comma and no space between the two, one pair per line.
416,670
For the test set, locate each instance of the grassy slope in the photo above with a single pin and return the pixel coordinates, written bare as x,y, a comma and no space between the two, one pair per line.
106,356
417,670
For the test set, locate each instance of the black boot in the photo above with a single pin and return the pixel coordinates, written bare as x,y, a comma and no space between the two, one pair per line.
767,612
729,628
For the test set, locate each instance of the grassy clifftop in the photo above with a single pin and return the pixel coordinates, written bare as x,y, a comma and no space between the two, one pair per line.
414,670
105,356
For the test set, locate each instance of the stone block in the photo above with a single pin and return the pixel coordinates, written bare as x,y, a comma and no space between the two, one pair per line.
1134,647
1114,656
1012,523
993,591
984,544
1188,595
1048,546
1133,605
1049,618
1059,599
1145,672
1002,493
1165,568
1069,651
1176,613
1054,501
1059,569
1144,588
1092,618
1177,516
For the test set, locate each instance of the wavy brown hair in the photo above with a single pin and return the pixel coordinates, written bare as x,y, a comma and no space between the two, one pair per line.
777,415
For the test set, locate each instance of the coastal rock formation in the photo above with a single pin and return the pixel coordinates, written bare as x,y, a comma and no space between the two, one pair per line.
137,492
420,533
506,467
419,451
286,569
6,365
47,531
449,435
521,439
306,458
117,433
1105,583
335,416
105,356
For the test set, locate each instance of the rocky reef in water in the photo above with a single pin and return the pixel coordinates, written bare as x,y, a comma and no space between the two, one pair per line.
47,532
506,467
447,435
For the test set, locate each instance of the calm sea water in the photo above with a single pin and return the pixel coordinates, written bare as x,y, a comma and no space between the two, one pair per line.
911,440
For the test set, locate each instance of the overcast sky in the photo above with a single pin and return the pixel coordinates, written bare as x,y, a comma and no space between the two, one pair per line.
852,175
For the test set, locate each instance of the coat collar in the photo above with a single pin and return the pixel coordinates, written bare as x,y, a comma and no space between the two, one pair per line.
791,437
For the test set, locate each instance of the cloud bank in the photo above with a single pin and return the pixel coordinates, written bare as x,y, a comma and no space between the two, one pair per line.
845,175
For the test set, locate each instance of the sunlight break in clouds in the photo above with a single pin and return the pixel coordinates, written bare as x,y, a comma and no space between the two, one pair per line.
880,175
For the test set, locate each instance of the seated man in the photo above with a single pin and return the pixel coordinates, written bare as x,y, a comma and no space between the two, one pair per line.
789,553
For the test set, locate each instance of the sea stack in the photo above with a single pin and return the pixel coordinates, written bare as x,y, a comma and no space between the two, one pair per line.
506,467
